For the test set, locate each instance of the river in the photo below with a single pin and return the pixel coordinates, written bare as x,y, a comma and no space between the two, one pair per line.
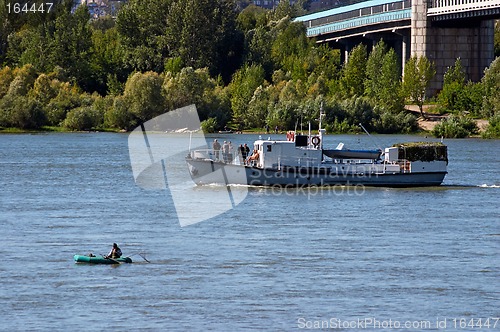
425,257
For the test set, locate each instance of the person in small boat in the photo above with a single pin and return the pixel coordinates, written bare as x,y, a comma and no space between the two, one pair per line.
115,252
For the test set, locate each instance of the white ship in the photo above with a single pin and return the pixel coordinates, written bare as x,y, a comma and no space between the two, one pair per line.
301,160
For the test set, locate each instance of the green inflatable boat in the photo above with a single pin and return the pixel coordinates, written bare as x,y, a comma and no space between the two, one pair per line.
101,259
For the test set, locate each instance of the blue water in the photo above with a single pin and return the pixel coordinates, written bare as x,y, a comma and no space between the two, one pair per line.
275,262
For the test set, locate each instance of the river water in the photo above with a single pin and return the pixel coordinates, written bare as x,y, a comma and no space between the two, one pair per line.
425,257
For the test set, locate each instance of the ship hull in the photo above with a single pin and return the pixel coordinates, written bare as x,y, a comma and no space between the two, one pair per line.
205,172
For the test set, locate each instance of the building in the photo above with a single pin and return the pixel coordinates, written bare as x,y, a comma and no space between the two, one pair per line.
99,8
317,5
269,4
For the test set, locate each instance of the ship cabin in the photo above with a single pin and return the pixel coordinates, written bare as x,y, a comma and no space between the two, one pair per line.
298,151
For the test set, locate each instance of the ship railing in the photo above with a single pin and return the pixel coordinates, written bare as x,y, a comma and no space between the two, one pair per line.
218,156
404,165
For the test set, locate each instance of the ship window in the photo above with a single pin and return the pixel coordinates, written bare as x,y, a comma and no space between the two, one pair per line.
269,148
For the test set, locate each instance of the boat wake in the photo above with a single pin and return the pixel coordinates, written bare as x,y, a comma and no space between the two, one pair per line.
484,185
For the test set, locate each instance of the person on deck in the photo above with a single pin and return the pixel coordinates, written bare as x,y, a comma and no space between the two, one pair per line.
253,158
242,153
247,150
216,146
115,252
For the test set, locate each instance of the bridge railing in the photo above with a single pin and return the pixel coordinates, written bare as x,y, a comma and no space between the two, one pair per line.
362,13
439,7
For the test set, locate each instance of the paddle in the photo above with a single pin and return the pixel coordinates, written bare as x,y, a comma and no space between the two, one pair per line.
111,259
142,256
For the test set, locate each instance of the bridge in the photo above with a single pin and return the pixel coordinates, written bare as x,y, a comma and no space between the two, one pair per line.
441,30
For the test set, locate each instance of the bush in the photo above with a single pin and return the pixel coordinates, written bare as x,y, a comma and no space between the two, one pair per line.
342,127
209,125
493,129
390,123
83,118
119,116
21,112
455,127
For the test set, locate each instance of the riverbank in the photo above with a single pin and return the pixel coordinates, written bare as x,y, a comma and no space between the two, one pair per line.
426,125
53,129
431,119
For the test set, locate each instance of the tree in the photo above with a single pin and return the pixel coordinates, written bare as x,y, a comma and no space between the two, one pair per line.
242,89
203,34
6,77
291,48
191,86
374,64
390,96
108,60
251,17
141,25
417,76
454,95
491,86
144,96
354,72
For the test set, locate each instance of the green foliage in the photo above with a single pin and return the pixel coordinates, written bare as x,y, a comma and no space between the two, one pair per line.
173,65
21,112
455,127
457,96
417,76
422,151
290,48
374,70
342,127
258,107
83,118
354,73
144,96
491,86
383,79
6,77
68,98
209,125
242,89
203,34
187,87
455,73
23,81
164,54
493,129
141,25
108,60
251,17
119,115
387,122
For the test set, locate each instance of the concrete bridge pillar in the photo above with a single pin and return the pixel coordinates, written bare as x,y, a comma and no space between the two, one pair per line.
442,43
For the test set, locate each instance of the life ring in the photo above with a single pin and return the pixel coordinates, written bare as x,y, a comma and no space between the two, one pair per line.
315,140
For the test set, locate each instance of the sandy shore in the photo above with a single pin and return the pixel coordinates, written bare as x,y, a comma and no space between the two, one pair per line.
433,119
